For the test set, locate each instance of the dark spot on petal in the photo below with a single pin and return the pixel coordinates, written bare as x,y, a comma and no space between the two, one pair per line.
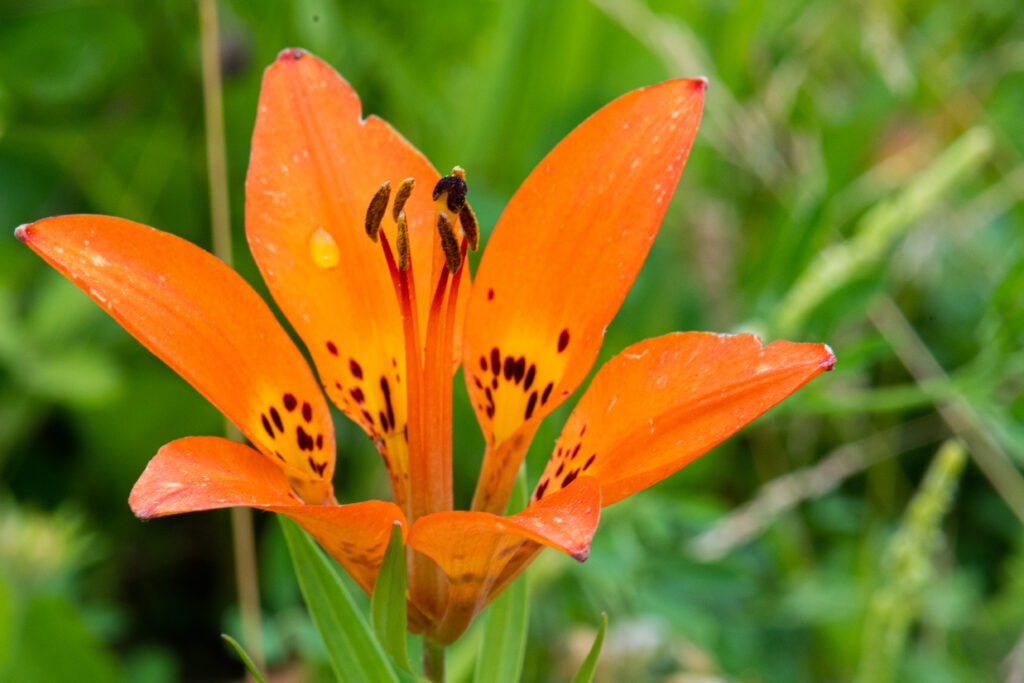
307,411
563,340
384,424
317,467
357,370
547,392
510,367
319,442
278,454
483,363
590,461
384,387
520,369
266,425
490,295
368,417
477,382
561,466
304,439
290,402
332,348
276,416
530,375
337,385
494,382
569,478
575,451
541,488
583,429
357,395
531,404
495,361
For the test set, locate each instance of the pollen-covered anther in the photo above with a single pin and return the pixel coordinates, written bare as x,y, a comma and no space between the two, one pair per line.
450,192
375,211
402,195
402,241
449,243
470,227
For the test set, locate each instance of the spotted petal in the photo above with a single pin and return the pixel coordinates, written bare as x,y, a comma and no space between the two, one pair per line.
560,261
209,325
204,473
663,402
473,548
315,166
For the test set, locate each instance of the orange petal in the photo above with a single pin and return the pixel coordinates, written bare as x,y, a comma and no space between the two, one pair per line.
561,259
203,473
663,402
209,325
315,166
473,548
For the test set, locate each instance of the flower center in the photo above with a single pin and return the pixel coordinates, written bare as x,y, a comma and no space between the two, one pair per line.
424,483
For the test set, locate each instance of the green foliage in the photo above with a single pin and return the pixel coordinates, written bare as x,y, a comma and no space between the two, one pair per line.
882,137
387,604
504,623
355,653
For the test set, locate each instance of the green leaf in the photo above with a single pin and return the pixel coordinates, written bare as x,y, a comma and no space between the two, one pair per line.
586,672
504,642
246,659
387,604
354,651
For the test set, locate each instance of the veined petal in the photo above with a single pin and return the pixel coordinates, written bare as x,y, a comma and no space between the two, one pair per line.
204,473
473,548
663,402
203,320
315,166
560,261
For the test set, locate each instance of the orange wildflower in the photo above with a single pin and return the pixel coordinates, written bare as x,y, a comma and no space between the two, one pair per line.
368,265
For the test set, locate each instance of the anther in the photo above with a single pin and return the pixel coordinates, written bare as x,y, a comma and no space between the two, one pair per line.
450,245
375,211
402,241
454,186
402,196
470,227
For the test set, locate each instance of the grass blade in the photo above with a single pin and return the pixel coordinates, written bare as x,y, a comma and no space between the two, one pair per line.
586,672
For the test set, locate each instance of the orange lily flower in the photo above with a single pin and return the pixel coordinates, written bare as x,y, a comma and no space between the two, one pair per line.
378,289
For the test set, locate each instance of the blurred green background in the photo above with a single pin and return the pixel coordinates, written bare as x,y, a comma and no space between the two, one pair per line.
857,179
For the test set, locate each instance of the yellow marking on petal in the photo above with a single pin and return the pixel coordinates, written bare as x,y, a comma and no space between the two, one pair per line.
323,249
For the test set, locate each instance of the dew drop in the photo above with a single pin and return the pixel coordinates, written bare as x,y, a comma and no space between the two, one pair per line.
323,249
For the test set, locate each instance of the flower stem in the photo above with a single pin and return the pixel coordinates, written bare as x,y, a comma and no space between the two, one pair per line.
433,661
220,222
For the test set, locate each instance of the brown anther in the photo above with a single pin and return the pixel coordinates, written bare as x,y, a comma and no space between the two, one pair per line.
402,242
454,186
470,227
375,211
450,245
402,196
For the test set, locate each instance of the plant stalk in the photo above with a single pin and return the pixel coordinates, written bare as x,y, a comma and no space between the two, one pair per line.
433,661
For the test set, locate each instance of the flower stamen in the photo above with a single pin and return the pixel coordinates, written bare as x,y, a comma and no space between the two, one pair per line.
376,210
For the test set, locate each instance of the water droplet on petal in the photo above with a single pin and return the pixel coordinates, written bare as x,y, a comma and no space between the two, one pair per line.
323,249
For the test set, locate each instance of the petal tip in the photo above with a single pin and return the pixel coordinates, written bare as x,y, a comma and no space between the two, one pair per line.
830,359
21,232
291,54
701,82
581,555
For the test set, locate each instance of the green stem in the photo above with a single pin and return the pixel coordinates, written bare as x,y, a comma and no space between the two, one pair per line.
433,661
